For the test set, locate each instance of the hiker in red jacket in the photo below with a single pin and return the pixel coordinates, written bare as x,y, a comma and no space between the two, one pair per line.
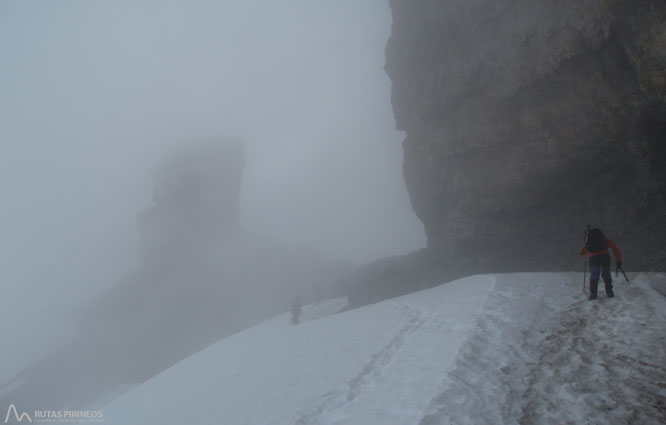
596,247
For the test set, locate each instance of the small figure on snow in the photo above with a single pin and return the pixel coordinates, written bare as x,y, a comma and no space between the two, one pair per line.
295,311
596,247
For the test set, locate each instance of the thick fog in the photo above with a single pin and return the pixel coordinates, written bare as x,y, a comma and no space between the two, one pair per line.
95,95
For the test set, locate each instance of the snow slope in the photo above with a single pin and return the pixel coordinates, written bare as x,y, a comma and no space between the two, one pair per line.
519,348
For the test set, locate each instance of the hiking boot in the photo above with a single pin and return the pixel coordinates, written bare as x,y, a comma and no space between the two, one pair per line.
609,289
593,289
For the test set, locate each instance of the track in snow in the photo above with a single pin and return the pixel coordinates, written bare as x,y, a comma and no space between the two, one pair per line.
336,404
601,362
605,361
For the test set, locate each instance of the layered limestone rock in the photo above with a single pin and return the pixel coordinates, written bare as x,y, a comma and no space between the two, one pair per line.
525,120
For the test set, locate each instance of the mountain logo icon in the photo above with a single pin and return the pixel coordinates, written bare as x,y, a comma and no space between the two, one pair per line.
18,417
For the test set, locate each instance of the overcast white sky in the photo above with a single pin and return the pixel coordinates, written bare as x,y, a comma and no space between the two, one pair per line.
94,94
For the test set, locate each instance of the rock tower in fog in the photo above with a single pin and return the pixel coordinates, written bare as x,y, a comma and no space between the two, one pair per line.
196,203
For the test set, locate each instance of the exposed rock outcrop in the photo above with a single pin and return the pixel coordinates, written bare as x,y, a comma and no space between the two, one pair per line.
528,119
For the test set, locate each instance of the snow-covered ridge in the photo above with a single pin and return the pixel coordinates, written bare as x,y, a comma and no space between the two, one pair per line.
519,348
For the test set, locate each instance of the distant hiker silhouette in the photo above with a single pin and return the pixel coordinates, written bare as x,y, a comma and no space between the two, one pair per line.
295,311
596,248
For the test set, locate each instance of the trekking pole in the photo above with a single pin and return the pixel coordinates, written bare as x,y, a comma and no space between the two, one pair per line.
587,232
585,278
623,273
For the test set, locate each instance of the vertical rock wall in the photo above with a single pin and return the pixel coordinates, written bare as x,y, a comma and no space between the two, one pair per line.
527,119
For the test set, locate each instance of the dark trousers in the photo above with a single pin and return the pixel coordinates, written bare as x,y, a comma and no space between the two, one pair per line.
604,271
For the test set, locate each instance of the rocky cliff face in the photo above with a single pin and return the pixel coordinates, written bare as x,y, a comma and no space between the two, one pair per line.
528,119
